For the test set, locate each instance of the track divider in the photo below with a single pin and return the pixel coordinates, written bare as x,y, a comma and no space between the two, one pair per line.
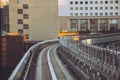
54,77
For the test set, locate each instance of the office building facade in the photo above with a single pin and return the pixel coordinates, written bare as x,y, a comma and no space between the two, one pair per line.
36,18
93,15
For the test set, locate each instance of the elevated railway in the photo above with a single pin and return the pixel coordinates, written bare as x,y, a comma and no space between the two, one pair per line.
85,59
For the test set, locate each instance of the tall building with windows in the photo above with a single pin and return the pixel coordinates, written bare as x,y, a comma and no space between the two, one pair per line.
93,15
36,18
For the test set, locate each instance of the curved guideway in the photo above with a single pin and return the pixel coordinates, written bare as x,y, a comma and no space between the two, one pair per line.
49,66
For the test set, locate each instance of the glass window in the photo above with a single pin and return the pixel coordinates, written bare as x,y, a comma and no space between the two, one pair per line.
116,2
106,14
25,16
25,6
86,8
96,14
111,8
81,2
96,2
91,2
101,8
91,14
86,2
116,7
106,8
101,2
76,2
111,2
91,8
81,8
111,13
116,13
20,21
20,31
25,26
76,8
96,8
76,14
71,8
86,14
81,14
71,2
20,11
106,2
101,14
71,14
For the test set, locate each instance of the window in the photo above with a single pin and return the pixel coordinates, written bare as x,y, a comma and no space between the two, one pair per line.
25,6
25,26
20,11
71,8
86,14
81,2
96,14
106,14
91,8
101,2
111,2
96,2
91,14
91,2
71,2
86,2
111,13
81,8
71,14
96,8
101,8
76,8
25,16
76,14
116,7
81,14
76,2
20,21
116,2
106,2
101,14
111,8
20,31
106,8
116,13
86,8
27,36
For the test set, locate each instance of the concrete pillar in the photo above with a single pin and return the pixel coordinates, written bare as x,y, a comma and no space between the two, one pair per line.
68,24
108,24
118,23
88,24
98,24
78,24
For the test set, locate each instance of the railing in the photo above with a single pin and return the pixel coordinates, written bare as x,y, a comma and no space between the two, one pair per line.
22,69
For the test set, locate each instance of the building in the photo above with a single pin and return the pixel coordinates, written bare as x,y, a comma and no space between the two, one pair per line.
37,18
93,15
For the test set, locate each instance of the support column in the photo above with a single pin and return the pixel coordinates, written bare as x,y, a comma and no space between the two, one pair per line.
78,24
88,24
108,24
68,24
98,24
118,23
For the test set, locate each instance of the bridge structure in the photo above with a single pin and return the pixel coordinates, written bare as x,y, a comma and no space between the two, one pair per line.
91,57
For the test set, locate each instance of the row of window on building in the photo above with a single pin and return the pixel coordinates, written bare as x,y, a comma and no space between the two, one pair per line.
94,2
21,21
94,14
95,8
